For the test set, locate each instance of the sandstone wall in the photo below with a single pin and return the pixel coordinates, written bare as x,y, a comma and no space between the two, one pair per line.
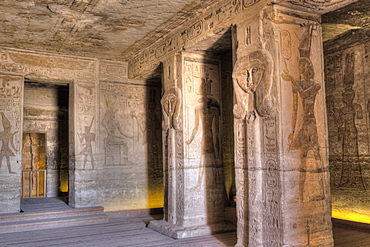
108,127
347,66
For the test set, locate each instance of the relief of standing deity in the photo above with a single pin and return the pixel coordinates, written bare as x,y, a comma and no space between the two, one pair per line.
345,118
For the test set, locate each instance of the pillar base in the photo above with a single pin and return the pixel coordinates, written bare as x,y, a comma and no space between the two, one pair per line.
176,232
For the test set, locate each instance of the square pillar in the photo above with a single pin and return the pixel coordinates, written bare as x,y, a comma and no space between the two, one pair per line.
282,175
11,122
193,169
83,173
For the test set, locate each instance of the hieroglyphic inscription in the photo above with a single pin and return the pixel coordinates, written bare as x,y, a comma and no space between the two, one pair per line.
286,44
248,35
272,188
180,188
218,16
112,71
241,180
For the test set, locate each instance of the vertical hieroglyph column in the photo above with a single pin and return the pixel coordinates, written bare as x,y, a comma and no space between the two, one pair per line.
83,180
194,186
280,131
11,119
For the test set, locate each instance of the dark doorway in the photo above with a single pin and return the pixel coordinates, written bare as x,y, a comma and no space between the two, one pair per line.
45,158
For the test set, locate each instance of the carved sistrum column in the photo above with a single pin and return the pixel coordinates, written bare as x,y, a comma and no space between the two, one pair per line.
193,170
282,176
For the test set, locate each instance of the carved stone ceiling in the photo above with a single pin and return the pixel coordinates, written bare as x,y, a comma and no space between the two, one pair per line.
118,29
107,29
353,16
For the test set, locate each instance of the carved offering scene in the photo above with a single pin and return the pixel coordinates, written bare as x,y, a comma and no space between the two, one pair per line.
347,100
304,138
130,123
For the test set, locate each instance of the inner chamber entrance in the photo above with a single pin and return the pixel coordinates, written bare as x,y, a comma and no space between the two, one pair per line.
33,183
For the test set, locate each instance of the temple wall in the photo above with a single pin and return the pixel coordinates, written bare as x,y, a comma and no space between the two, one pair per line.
348,107
114,153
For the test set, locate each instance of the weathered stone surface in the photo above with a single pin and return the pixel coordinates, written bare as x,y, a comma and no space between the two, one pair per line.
130,140
194,178
11,92
348,104
107,29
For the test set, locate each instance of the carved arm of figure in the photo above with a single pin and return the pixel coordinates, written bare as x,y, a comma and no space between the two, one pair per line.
122,133
287,77
358,110
12,141
196,126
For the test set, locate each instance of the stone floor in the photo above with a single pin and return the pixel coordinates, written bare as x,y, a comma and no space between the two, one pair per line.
124,229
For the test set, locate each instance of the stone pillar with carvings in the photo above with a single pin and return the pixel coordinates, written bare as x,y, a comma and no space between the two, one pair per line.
193,170
282,176
83,173
11,112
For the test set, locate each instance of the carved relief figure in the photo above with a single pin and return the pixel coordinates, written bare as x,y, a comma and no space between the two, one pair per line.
252,84
7,142
351,170
115,142
208,112
86,140
207,118
306,137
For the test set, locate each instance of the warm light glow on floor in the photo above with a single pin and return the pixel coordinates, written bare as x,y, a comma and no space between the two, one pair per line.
350,215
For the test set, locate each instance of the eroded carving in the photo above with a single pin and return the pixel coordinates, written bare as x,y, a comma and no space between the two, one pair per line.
7,142
304,135
252,79
351,174
171,103
116,148
86,140
208,113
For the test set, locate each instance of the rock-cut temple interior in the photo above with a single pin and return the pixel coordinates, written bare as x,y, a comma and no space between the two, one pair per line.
189,107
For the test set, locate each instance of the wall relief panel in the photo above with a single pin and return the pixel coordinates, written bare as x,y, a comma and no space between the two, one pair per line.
47,66
130,139
349,127
11,100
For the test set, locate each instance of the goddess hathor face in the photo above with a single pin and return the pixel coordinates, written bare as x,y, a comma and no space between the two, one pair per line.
250,75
